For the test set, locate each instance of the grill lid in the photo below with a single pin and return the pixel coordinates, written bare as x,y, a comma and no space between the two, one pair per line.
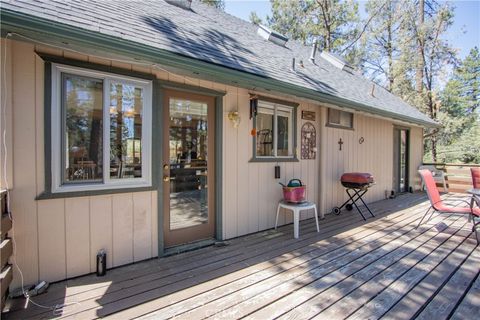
357,178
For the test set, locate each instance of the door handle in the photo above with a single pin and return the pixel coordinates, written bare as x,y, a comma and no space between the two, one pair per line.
166,178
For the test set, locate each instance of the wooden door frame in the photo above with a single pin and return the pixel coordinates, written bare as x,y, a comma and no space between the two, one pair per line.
160,87
407,155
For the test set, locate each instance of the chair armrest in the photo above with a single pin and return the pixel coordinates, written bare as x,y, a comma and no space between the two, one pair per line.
469,204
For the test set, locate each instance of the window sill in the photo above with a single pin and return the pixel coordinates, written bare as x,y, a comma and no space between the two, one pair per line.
294,159
72,194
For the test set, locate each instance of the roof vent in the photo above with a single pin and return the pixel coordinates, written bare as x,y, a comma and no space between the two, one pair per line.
184,4
271,35
337,61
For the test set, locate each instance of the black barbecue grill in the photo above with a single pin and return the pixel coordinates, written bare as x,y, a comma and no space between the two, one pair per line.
357,185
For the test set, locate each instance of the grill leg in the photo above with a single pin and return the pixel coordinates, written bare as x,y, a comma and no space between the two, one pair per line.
361,199
352,196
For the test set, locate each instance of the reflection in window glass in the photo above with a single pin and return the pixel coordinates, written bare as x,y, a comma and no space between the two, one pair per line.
82,107
188,141
340,118
274,134
264,125
126,105
283,133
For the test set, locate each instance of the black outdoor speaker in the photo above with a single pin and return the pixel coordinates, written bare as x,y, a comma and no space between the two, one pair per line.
101,263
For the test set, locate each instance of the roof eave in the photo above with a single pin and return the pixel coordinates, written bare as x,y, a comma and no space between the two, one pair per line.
14,21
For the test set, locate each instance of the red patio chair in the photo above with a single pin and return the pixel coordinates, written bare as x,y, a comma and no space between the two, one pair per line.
439,205
475,177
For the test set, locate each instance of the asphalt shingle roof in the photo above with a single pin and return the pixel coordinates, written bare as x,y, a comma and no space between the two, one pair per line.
207,34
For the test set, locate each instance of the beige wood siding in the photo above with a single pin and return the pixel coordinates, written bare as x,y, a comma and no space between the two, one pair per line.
374,155
59,238
251,192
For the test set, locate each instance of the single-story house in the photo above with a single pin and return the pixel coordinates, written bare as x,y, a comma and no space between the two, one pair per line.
137,127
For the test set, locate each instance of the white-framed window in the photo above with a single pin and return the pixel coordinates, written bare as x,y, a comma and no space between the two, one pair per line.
101,130
340,119
274,124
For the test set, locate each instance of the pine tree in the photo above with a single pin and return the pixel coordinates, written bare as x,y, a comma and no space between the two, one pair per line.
459,112
333,24
425,47
254,18
219,4
382,42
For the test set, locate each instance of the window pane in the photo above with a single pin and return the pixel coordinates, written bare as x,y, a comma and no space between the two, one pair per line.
82,105
346,119
126,106
340,118
334,116
283,133
188,145
264,125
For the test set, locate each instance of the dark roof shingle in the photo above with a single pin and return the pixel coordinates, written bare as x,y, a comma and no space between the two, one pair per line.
207,34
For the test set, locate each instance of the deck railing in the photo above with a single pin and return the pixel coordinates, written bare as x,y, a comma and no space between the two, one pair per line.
458,175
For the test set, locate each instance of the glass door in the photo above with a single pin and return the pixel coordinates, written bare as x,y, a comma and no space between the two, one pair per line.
400,160
188,168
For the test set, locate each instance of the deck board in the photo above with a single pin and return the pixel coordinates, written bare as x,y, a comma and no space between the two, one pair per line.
384,267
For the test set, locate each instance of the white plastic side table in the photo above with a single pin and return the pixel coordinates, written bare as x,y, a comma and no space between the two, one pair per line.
296,208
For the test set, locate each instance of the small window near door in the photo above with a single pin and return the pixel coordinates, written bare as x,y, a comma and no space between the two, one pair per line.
340,119
275,127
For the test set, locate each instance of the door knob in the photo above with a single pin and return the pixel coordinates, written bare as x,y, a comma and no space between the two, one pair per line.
166,178
166,167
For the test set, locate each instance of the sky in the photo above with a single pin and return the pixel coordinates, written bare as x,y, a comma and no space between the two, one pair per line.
463,35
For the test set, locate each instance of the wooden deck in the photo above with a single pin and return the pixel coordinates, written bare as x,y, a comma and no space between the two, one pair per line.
351,269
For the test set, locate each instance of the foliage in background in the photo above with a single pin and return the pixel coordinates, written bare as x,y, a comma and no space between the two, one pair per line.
219,4
333,24
459,112
400,45
254,18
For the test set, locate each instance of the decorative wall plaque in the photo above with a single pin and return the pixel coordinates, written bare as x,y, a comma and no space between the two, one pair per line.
308,115
309,141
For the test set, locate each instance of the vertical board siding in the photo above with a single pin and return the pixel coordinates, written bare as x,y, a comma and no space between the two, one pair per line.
374,155
6,178
154,225
251,192
122,210
245,218
60,238
77,221
24,207
69,232
230,163
52,240
142,218
39,125
101,229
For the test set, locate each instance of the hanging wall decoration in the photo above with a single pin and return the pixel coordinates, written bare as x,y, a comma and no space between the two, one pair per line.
309,141
308,115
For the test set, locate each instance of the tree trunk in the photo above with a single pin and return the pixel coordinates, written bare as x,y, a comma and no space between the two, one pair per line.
390,48
420,42
432,108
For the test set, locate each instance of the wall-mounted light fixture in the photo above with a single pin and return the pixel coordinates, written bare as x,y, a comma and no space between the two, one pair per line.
234,117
